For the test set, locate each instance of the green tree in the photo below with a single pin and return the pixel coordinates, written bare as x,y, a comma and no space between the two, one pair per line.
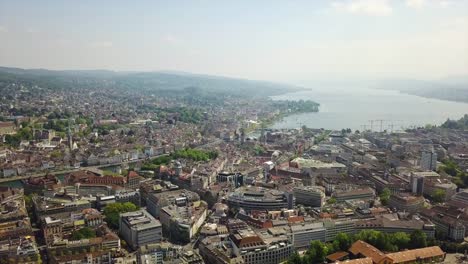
385,196
438,196
112,212
317,252
83,233
401,240
343,241
418,239
295,258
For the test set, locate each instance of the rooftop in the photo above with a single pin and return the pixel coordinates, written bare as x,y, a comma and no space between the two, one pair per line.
408,256
312,163
140,220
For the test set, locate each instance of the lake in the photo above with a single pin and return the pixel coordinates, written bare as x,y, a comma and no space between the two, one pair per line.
341,108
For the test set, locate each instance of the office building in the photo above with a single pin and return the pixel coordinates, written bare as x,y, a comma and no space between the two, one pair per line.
310,195
139,228
428,160
258,198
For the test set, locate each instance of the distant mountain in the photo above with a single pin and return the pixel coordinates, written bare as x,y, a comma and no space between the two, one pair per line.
143,81
451,89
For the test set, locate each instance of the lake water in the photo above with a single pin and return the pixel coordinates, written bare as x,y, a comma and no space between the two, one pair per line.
356,108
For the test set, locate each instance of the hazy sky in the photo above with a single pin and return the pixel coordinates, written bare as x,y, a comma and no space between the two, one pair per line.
270,40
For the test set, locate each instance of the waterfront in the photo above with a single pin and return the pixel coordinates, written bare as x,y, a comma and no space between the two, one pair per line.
354,108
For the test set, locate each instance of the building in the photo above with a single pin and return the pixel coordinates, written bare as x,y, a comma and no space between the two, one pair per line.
449,225
259,198
316,168
158,252
183,222
260,248
310,195
447,187
363,249
39,184
428,160
96,257
139,228
406,202
21,249
419,179
333,227
46,206
218,250
362,194
160,198
7,128
305,233
420,255
391,223
461,198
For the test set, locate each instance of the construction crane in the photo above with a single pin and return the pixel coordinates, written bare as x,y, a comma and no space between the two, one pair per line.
381,121
392,124
371,125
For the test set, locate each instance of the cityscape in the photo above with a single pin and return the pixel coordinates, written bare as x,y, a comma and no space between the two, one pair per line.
147,166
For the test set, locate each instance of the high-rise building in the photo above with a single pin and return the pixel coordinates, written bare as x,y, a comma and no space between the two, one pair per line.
428,160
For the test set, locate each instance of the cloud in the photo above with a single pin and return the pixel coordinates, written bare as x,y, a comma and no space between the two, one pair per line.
3,29
101,44
415,3
365,7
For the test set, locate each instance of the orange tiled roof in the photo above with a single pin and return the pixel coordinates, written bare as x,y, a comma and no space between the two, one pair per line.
295,219
337,255
362,248
413,255
356,261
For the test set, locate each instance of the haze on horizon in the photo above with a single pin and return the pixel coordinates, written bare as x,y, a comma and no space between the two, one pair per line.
266,40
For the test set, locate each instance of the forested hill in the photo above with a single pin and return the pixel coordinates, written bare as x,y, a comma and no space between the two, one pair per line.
153,82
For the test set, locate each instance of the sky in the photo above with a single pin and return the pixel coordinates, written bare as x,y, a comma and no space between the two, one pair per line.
267,40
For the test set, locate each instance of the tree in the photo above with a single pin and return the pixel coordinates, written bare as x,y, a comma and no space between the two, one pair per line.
331,200
385,196
400,240
294,258
113,211
418,239
438,196
83,233
316,253
343,241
